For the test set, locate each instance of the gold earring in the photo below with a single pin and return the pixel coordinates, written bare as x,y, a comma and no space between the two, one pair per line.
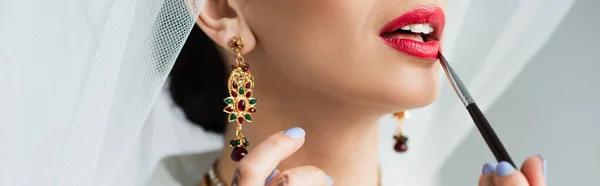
401,139
240,103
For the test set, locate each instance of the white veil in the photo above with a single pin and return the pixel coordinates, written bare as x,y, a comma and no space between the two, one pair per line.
80,82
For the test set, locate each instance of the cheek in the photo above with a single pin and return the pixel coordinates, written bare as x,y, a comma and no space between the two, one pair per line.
331,46
305,32
310,38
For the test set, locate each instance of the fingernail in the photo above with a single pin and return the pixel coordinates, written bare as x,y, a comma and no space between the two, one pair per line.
295,133
330,180
488,168
504,168
271,176
543,165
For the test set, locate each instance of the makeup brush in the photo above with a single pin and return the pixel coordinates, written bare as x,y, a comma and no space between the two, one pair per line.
481,122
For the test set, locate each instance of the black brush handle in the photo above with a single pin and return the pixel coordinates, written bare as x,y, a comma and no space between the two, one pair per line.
489,135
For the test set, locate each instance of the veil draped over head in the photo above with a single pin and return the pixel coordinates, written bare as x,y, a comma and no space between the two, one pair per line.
81,100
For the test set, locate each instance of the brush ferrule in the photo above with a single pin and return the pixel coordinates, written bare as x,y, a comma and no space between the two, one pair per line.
456,83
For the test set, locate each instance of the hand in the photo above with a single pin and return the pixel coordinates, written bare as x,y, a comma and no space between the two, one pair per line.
258,167
533,173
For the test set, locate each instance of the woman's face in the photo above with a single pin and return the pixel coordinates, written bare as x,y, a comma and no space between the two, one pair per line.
349,49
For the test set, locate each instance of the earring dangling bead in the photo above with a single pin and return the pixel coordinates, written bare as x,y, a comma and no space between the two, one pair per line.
400,145
240,103
401,140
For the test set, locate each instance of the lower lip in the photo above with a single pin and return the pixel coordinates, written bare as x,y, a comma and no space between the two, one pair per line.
425,50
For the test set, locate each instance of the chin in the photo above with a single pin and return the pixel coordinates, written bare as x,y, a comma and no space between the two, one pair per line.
413,89
415,98
406,95
397,98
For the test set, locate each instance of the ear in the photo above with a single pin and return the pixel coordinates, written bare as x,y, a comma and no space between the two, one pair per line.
221,20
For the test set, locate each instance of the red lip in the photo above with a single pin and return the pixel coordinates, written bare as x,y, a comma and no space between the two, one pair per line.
419,15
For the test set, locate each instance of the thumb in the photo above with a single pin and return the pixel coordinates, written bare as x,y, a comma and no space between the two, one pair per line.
534,168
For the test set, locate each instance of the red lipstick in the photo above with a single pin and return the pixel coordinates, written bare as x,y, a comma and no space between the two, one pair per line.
423,45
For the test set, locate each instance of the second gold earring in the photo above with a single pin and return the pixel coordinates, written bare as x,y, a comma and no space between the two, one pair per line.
401,139
240,103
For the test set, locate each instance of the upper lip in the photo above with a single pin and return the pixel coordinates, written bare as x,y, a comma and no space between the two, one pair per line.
433,16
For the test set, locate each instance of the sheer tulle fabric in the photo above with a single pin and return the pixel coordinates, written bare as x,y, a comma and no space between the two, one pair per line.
83,76
83,102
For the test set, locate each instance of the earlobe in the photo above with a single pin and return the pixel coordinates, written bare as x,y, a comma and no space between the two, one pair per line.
222,20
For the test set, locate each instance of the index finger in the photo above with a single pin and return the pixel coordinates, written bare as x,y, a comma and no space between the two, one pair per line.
263,159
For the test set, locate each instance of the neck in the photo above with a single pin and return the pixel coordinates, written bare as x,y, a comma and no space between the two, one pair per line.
341,139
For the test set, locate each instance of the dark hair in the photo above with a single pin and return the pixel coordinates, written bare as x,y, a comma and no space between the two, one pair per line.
198,82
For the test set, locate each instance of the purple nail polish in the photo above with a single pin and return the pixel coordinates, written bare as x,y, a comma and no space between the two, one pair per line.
295,133
504,168
488,168
543,165
271,176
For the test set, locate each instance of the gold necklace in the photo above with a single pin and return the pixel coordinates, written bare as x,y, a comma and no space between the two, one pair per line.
210,177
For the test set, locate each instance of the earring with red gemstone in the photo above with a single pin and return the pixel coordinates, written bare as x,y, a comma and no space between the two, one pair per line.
240,103
400,138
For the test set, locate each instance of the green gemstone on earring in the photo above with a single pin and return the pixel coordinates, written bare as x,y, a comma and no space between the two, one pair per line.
236,143
241,91
246,143
229,100
252,101
232,142
248,117
232,117
405,139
